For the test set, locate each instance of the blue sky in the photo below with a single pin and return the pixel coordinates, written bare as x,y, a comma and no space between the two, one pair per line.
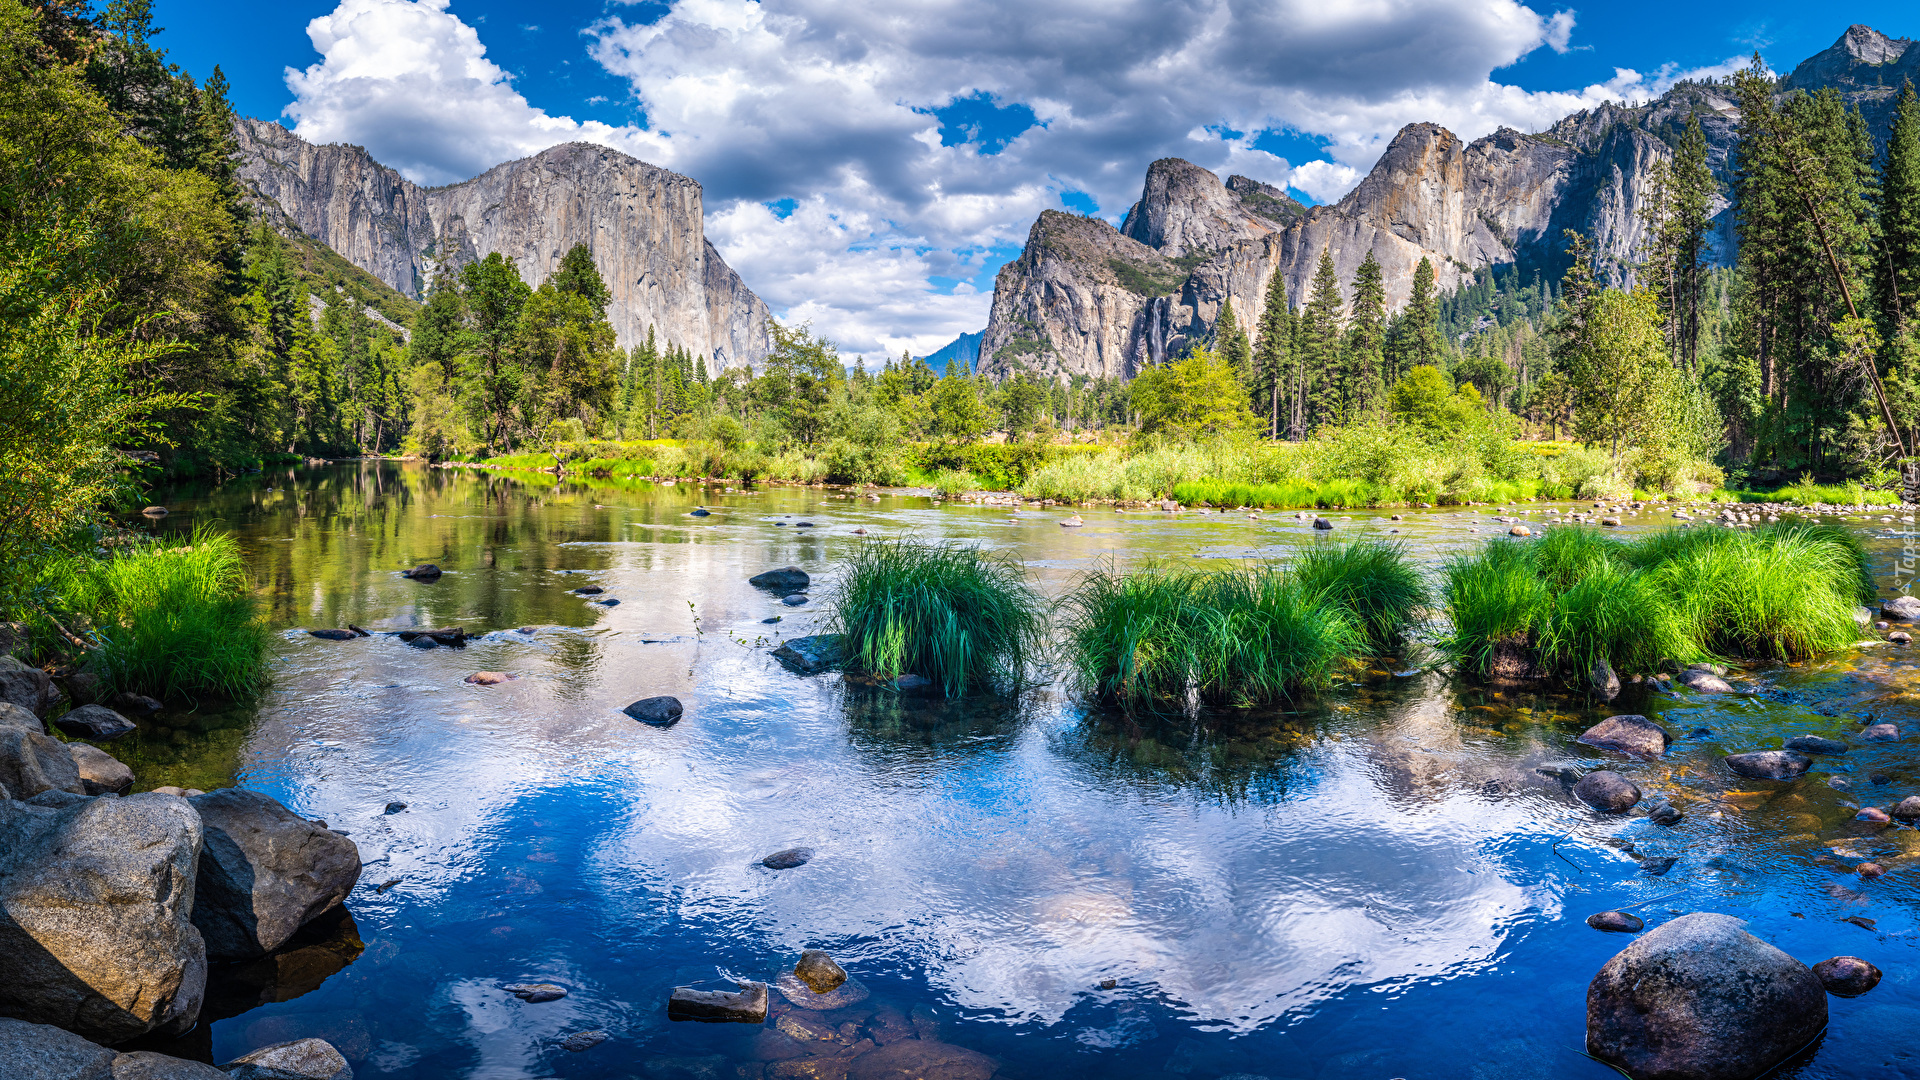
869,164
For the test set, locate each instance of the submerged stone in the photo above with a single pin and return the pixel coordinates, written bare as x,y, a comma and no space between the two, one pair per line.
1846,976
1322,523
788,859
534,993
1815,744
812,655
1616,922
1881,733
302,1059
1769,764
1703,681
818,971
1633,735
1607,791
850,992
95,723
1904,608
582,1040
1606,684
660,711
747,1005
787,579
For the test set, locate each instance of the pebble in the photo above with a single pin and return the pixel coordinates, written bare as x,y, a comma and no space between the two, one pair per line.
584,1040
788,859
1870,870
795,600
536,992
1616,922
1846,976
1873,814
819,972
489,678
1899,637
771,621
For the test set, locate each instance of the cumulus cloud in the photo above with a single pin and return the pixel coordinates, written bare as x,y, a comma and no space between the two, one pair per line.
830,107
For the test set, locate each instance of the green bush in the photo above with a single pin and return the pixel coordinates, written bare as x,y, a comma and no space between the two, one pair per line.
960,616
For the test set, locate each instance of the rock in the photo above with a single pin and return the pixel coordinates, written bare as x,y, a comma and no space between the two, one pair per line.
1664,815
147,1065
605,601
747,1005
1633,735
155,511
131,704
1073,522
788,859
1616,922
1606,684
334,635
1322,523
803,524
1702,681
55,800
794,601
588,590
699,511
1769,764
44,1052
1610,522
1862,616
25,686
100,772
660,711
921,1059
302,1059
1519,530
1900,637
1657,866
1846,976
535,993
1904,608
264,873
489,678
1872,814
850,992
96,905
12,715
394,808
787,579
450,636
1880,733
1699,998
95,723
1815,744
1607,791
912,684
1908,809
813,655
587,1040
423,572
31,763
818,971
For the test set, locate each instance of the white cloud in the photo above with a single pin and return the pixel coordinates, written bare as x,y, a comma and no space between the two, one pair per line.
827,103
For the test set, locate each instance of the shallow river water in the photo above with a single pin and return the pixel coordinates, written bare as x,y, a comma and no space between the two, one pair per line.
1387,881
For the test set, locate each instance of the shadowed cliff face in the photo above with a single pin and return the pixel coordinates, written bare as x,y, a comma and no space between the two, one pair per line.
642,223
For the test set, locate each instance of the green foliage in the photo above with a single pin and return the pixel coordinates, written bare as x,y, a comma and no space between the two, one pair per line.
1424,398
960,616
1371,580
172,622
1195,395
1145,280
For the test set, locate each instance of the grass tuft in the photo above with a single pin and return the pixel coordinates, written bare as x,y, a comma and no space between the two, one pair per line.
1372,580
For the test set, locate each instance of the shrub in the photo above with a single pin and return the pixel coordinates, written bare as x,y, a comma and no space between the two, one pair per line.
960,616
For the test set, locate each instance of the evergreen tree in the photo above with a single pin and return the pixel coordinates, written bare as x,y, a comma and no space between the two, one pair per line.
1897,273
1230,341
1274,352
1365,361
1317,356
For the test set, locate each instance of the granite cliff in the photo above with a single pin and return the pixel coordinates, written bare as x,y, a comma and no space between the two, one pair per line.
643,224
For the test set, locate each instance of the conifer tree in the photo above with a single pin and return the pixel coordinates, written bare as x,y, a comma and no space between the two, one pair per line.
1365,389
1274,350
1230,341
1319,360
1897,278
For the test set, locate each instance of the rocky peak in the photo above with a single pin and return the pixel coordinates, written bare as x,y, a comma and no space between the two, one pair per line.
1265,199
1861,59
1186,210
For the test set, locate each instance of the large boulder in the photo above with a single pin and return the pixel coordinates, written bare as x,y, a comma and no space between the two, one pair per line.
787,579
265,871
25,685
96,903
95,723
1702,999
12,715
100,772
44,1052
147,1065
813,655
1634,736
302,1059
1904,608
31,763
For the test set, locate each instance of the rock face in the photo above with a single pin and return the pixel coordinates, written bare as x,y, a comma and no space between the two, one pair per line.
1635,736
644,225
44,1052
95,916
1702,999
264,873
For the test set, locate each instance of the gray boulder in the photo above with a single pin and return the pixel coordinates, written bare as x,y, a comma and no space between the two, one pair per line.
1634,736
31,763
1904,608
25,685
100,772
264,873
1815,744
1701,999
302,1059
12,715
96,902
813,655
95,723
1769,764
147,1065
1703,681
44,1052
54,799
1606,684
787,579
659,711
1607,791
747,1005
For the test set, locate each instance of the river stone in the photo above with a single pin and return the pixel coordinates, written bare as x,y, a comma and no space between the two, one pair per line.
1881,733
94,723
747,1005
265,872
147,1065
1607,791
819,972
850,992
334,635
302,1059
1699,998
1633,735
12,715
788,859
813,655
131,704
1904,608
450,636
586,1040
1322,523
1846,976
1616,922
1815,744
1703,681
795,600
1606,684
44,1052
787,579
1908,809
55,799
31,763
659,711
1665,815
25,685
921,1059
588,590
424,572
100,772
96,905
1519,530
1769,764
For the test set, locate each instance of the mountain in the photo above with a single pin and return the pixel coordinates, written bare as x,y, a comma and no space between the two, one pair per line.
965,349
643,224
1086,298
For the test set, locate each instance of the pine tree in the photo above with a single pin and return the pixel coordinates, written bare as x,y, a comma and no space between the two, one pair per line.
1897,278
1420,335
1365,389
1275,349
1318,363
1230,341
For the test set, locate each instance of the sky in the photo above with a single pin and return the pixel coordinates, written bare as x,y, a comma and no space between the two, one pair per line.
868,165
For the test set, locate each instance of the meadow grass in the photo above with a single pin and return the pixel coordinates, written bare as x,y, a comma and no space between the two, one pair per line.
1372,580
960,616
169,621
625,466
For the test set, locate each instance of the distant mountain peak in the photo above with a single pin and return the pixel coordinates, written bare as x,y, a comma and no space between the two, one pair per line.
1862,59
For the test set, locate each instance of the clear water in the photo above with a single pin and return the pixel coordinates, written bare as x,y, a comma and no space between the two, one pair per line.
1381,883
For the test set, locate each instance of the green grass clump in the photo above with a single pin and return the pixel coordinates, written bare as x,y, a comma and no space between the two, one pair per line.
952,482
960,616
624,466
172,622
522,461
1371,580
1576,597
1162,639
